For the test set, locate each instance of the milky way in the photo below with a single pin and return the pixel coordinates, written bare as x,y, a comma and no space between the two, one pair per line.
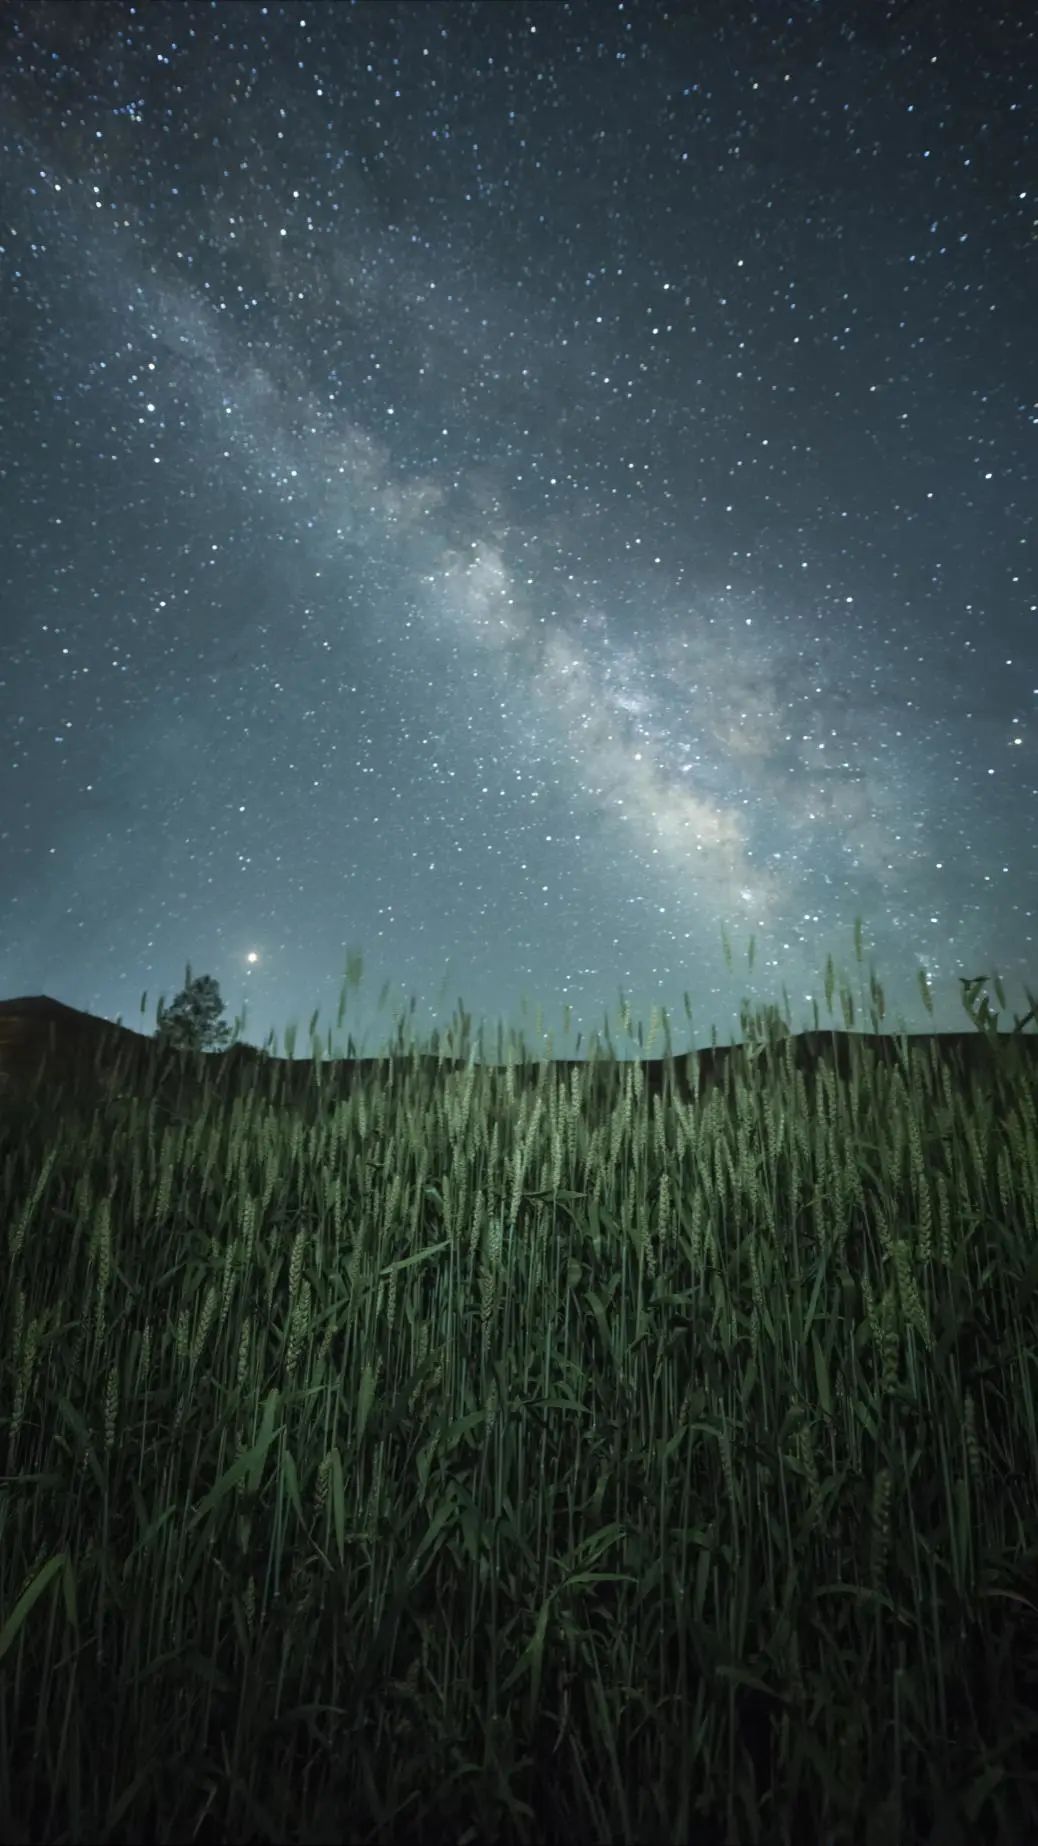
517,491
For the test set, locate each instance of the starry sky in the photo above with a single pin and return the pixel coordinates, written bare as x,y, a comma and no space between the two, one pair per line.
515,491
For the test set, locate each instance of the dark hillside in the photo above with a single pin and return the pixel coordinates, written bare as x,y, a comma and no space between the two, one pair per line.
80,1056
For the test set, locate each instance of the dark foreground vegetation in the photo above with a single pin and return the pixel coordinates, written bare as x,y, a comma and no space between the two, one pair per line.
421,1449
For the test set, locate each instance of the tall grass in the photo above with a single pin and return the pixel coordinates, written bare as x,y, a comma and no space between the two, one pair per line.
465,1462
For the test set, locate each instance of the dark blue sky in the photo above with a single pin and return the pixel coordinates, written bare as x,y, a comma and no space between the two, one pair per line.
512,490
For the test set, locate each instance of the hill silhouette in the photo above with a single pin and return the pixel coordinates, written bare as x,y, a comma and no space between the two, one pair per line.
77,1059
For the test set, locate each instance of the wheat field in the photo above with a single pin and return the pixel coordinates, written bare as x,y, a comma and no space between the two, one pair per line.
467,1461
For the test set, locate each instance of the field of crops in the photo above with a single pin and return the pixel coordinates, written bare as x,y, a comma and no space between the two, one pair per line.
467,1460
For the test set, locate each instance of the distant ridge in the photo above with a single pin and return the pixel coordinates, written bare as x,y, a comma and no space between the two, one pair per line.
40,1011
62,1046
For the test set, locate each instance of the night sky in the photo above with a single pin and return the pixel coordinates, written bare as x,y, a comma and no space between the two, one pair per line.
510,490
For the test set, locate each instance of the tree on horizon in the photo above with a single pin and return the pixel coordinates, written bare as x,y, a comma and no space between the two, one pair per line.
192,1022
